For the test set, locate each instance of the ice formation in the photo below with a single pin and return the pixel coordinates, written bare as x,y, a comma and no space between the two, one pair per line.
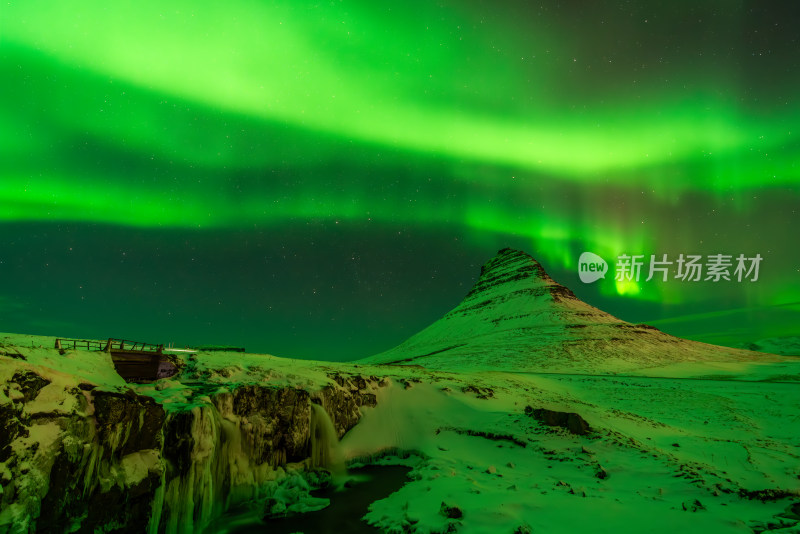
325,450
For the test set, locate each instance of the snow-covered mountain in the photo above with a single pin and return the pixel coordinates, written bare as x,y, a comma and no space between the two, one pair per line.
517,318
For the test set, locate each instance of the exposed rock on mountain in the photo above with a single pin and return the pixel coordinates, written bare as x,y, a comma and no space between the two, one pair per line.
517,318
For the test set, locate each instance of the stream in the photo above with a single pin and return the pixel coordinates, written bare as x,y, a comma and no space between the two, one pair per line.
344,514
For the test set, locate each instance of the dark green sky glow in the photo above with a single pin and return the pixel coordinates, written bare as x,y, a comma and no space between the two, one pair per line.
323,180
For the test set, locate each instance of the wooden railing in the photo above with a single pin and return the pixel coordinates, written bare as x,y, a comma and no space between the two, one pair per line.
75,344
109,345
137,346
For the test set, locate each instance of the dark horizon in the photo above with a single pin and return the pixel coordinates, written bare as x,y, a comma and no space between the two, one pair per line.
164,301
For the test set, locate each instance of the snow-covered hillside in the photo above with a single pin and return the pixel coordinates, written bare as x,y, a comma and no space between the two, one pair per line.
516,318
83,450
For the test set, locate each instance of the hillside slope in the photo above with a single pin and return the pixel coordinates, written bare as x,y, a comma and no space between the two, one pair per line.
516,318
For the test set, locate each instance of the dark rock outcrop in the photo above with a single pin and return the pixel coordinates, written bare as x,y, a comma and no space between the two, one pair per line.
481,393
570,421
178,443
29,383
13,422
451,511
766,495
11,427
128,422
344,400
88,483
276,422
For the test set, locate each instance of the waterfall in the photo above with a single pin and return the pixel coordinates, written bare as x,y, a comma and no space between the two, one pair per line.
325,449
127,461
225,459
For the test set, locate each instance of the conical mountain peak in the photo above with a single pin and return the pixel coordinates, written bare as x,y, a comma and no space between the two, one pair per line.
513,274
513,299
517,318
513,264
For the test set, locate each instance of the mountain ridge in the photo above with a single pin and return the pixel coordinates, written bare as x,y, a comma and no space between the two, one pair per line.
517,318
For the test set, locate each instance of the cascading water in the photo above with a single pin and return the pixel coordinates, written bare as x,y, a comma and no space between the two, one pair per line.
325,449
161,465
227,457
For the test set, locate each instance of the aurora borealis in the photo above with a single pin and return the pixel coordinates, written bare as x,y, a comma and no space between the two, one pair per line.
323,180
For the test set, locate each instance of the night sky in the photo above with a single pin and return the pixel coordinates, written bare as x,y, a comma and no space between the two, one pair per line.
323,180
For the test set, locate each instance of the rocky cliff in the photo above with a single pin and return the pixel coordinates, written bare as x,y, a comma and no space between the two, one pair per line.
79,458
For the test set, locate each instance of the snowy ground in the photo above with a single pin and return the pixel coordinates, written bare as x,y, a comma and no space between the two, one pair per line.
705,447
658,448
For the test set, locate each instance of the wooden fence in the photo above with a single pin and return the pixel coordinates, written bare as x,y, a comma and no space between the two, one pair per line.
75,344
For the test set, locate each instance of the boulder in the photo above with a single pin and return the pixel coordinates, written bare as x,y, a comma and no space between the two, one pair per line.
570,421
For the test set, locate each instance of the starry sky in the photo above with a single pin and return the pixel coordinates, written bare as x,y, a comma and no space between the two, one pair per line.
323,180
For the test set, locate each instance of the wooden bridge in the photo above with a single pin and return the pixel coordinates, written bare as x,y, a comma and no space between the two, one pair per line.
110,345
134,361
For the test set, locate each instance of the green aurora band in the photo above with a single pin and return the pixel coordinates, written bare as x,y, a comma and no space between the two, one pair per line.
547,127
